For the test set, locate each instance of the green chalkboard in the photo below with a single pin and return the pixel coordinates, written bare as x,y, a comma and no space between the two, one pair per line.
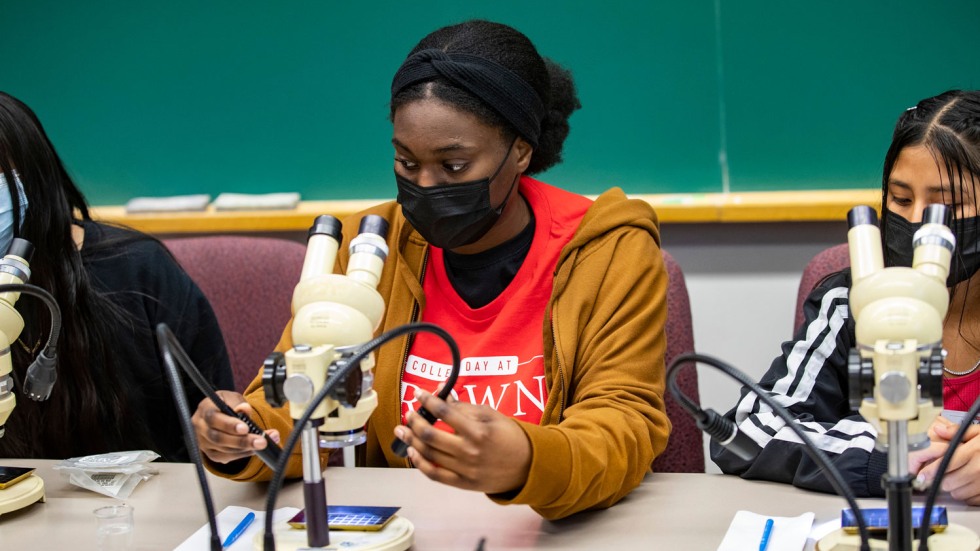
145,98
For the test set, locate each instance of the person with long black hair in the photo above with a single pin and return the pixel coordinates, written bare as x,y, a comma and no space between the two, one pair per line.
113,285
557,301
934,157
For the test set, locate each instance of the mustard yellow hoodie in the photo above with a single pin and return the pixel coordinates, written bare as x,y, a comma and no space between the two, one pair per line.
604,422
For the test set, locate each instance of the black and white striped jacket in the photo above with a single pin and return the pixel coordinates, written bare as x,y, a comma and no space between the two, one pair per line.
810,380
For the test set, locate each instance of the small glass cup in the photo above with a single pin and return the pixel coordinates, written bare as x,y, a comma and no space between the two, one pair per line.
114,530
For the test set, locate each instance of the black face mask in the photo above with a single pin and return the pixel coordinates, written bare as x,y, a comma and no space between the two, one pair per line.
966,257
452,215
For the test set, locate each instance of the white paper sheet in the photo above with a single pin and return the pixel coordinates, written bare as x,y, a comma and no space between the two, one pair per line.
227,520
745,532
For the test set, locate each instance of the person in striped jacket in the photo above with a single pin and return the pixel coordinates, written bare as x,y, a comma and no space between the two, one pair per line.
934,157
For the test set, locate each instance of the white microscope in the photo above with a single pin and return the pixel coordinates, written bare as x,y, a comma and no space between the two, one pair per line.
895,371
332,315
41,375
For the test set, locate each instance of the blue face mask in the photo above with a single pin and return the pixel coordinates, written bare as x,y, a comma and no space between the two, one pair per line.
7,211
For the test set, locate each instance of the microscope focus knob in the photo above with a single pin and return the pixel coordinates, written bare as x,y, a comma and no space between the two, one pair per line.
895,387
273,379
348,393
931,376
298,388
860,378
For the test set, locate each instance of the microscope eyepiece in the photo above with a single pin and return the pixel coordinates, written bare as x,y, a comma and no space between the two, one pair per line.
375,224
22,248
935,228
326,225
861,214
936,214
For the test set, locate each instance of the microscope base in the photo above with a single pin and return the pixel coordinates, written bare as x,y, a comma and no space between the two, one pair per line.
397,535
953,538
20,495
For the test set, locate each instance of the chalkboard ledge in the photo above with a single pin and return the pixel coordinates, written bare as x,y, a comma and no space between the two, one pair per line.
769,206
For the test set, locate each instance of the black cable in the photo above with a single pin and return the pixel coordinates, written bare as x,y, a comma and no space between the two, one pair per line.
167,342
924,528
815,453
49,301
41,374
399,447
270,454
279,474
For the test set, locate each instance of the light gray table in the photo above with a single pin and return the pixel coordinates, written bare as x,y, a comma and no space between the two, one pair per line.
668,511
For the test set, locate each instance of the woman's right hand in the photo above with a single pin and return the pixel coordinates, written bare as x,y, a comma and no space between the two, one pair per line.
961,479
224,438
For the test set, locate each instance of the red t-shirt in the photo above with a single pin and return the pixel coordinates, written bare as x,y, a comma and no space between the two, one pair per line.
501,344
959,394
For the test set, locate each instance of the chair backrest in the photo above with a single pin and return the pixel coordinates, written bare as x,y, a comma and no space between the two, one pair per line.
826,262
685,449
249,282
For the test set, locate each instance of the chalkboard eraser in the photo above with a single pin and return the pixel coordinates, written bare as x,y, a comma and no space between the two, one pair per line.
174,203
259,201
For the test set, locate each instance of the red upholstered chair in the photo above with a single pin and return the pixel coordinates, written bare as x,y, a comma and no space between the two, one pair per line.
249,282
685,450
826,262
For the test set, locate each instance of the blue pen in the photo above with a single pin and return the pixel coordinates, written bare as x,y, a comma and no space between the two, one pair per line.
764,542
239,530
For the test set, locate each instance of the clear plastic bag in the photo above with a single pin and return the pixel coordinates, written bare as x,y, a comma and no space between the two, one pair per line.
114,474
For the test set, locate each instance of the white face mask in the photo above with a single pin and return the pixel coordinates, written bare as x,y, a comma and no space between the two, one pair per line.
7,211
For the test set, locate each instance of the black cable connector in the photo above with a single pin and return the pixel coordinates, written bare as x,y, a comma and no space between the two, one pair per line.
722,430
399,446
41,376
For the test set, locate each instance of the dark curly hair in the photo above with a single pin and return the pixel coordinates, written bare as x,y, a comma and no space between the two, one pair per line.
508,47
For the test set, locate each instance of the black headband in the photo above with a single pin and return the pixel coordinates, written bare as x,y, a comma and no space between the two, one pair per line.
498,87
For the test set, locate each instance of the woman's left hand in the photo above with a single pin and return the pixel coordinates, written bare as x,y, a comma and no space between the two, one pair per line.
962,479
488,452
